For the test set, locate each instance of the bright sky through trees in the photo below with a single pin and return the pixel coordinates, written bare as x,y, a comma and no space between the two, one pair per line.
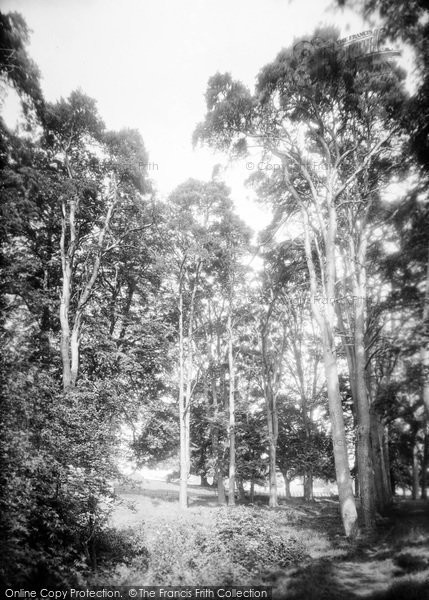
147,64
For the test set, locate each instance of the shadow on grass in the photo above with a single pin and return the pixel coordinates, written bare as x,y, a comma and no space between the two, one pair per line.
407,590
315,581
325,579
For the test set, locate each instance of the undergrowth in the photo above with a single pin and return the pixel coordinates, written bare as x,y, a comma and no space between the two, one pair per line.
218,547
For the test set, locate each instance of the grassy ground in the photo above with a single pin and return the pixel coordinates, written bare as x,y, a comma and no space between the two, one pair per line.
393,565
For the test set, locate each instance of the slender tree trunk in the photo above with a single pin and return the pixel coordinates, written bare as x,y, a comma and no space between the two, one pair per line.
218,474
326,324
380,463
185,382
183,489
241,490
221,497
366,474
231,492
69,344
363,430
67,256
425,462
287,484
424,353
75,348
65,329
377,460
342,470
272,440
271,371
252,489
308,486
416,470
388,474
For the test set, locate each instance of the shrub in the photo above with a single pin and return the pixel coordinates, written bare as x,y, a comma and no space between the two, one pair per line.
254,541
121,546
224,547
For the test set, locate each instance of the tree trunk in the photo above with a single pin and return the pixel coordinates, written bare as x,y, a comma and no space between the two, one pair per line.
342,470
271,370
252,490
416,473
75,348
381,470
377,461
326,324
308,486
69,344
231,491
218,474
272,440
183,489
386,462
287,485
241,490
67,256
365,467
221,498
424,353
425,462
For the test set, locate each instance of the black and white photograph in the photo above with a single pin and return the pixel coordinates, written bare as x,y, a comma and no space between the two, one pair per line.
214,299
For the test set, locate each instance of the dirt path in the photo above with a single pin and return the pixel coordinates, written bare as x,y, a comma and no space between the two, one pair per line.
393,567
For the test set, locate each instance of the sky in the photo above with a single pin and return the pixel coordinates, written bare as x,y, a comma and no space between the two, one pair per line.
147,64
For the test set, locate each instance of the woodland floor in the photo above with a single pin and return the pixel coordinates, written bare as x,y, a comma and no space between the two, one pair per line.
393,565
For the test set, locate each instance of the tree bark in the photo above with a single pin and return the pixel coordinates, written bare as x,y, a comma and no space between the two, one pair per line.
183,489
365,466
231,488
386,462
70,343
326,324
342,470
67,258
185,382
287,485
416,470
424,353
218,473
241,490
271,377
252,489
272,421
308,486
221,497
425,461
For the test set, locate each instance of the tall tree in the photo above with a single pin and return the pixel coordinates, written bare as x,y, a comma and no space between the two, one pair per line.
301,111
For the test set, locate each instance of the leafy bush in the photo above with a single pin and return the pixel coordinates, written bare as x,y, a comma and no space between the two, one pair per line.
224,547
121,546
253,540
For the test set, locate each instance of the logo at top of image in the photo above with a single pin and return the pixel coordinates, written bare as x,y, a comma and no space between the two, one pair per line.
364,46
